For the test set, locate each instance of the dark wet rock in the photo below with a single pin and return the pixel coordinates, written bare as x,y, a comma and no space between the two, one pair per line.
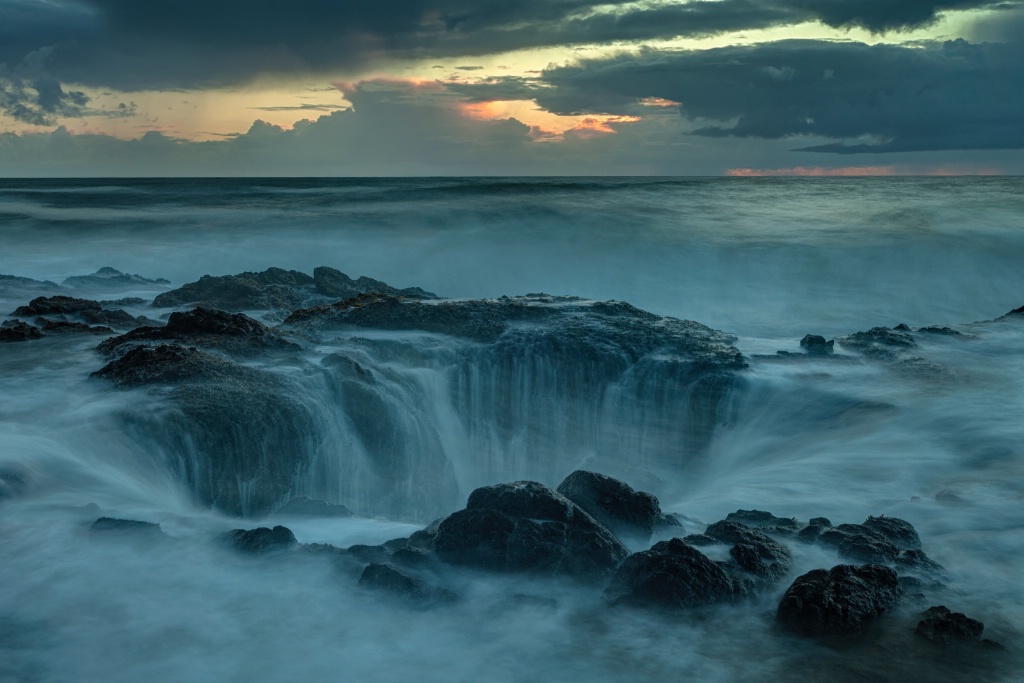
369,553
1016,313
669,523
700,540
860,543
882,343
942,626
816,345
110,278
752,550
262,540
672,574
819,521
303,506
124,301
814,529
232,333
424,538
68,327
900,532
527,527
393,581
940,330
842,601
335,284
276,289
613,503
109,527
765,521
169,364
917,561
57,305
115,318
17,330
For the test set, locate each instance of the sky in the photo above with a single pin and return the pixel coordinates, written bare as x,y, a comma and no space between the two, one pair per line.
510,87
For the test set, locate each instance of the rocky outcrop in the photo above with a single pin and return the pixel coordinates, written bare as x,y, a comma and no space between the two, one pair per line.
66,314
764,521
12,284
672,574
276,289
110,527
815,345
842,601
61,305
231,333
882,343
763,559
17,330
949,629
526,527
613,503
111,278
392,581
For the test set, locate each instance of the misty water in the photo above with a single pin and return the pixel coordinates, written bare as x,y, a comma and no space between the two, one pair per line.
933,438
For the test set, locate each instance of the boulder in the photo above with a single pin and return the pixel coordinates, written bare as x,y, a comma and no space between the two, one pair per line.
816,345
842,601
882,343
672,574
57,305
753,551
942,626
613,503
526,527
262,540
765,521
336,285
900,533
860,543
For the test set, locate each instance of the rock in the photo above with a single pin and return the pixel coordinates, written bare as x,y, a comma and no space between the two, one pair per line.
816,345
169,364
940,330
944,627
613,503
235,333
276,289
882,343
860,543
125,301
303,506
110,278
65,327
335,284
14,284
842,601
899,532
526,527
764,521
386,578
916,560
109,527
669,523
16,330
262,540
116,318
57,305
752,550
672,574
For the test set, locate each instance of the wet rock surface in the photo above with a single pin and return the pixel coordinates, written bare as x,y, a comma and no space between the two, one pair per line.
231,333
753,551
942,626
276,289
613,503
262,539
672,574
18,330
527,527
882,343
400,584
815,345
64,305
842,601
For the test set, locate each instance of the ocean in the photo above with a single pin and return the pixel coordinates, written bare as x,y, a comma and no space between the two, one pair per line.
928,431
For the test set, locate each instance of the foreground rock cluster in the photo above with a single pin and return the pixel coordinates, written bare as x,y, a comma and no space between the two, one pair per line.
525,529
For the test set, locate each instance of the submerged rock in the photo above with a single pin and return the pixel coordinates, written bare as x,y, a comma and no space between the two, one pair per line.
68,327
672,574
526,527
613,503
882,343
842,601
111,278
391,580
942,626
129,529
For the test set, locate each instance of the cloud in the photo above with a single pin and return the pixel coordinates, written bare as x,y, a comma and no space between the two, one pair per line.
133,45
865,98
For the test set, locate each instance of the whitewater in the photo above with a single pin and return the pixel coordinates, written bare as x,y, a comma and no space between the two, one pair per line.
401,424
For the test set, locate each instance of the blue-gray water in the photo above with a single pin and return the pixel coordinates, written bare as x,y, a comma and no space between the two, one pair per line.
768,260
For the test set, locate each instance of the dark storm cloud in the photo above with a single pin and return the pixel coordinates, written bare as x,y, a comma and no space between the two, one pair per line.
880,98
40,101
130,44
